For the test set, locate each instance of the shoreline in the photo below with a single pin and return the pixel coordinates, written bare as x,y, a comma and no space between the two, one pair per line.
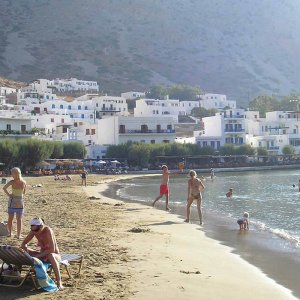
133,251
168,234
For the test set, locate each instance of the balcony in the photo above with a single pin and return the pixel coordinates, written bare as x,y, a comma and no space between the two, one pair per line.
234,116
232,130
273,148
166,131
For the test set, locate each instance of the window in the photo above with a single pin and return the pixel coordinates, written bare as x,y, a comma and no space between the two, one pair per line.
87,131
79,107
93,131
8,127
122,129
62,121
152,141
52,120
69,107
53,105
61,106
82,116
204,144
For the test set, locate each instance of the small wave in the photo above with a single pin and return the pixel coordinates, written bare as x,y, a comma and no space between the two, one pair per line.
281,233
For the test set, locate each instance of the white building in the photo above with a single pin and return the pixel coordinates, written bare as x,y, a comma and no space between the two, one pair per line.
15,123
48,123
38,91
168,107
7,90
120,130
216,101
74,84
227,127
133,95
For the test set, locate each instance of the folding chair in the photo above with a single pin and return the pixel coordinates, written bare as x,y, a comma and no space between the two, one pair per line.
23,267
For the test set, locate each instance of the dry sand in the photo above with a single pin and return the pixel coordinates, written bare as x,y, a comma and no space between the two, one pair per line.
134,251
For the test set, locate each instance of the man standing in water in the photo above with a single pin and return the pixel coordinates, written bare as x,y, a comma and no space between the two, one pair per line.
195,187
164,187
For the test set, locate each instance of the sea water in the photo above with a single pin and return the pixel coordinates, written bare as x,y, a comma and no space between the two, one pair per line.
271,198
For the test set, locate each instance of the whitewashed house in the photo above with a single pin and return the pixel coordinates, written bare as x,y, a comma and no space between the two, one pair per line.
216,101
15,125
4,90
133,95
120,130
74,84
227,127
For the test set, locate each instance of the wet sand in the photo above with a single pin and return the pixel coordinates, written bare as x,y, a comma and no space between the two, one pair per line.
133,251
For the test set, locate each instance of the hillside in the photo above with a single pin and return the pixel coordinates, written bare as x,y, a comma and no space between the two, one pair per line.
240,48
11,83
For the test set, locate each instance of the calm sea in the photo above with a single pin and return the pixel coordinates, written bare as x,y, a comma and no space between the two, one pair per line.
273,241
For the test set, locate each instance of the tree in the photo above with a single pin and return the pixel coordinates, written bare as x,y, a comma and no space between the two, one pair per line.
264,104
261,151
184,92
139,155
244,150
8,151
201,112
74,150
227,149
290,102
158,92
58,150
33,151
288,150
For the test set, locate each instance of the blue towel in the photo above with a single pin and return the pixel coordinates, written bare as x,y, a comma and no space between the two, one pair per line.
44,280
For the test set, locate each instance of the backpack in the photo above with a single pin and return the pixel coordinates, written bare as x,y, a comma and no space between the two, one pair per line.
3,229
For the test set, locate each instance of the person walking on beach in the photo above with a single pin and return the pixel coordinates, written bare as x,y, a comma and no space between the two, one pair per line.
229,193
299,185
244,221
15,200
48,246
195,187
164,187
83,177
212,173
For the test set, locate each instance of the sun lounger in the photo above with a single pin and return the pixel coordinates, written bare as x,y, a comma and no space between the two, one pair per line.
23,266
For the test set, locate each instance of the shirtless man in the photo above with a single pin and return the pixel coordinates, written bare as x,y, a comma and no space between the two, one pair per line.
164,187
48,246
195,187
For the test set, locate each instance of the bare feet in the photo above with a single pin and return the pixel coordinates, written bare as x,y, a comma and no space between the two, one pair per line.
186,221
168,208
60,286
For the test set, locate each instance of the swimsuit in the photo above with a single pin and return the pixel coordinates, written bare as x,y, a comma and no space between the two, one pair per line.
16,203
196,196
164,190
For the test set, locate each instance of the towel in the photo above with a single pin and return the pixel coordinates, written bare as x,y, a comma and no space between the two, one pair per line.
44,280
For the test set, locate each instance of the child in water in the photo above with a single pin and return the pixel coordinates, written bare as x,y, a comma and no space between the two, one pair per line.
244,221
229,193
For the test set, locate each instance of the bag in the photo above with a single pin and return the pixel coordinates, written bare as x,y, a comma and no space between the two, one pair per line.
3,229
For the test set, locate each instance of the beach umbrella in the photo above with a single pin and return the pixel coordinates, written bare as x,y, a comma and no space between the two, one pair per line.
101,162
115,162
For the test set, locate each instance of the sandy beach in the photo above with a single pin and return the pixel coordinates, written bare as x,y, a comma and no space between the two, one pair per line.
133,251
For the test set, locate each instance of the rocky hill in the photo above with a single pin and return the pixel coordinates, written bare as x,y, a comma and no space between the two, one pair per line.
240,48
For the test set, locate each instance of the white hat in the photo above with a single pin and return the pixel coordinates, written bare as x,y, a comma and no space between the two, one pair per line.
36,222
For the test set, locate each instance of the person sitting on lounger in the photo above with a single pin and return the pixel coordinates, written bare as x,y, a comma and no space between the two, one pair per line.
48,246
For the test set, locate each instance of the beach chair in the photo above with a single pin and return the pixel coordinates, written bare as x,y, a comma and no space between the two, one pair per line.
19,267
23,266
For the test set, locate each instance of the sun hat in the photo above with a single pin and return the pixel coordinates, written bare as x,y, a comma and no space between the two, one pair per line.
36,222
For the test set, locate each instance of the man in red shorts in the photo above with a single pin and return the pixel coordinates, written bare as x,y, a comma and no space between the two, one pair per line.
164,187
